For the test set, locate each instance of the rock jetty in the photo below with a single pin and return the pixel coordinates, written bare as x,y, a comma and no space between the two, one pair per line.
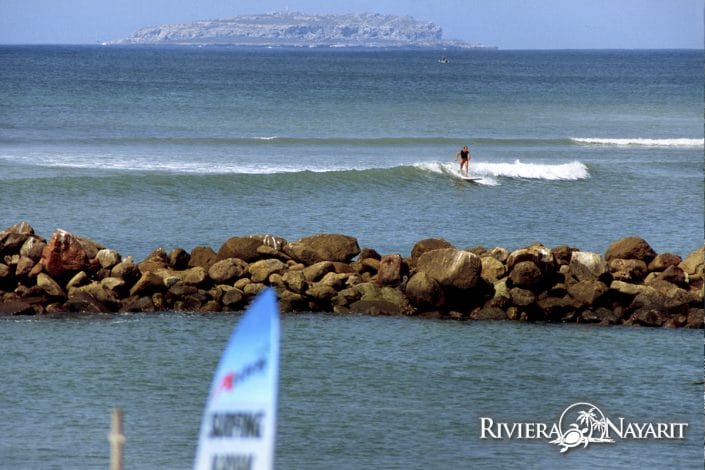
629,284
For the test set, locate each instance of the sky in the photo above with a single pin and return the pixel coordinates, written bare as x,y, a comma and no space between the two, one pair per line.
507,24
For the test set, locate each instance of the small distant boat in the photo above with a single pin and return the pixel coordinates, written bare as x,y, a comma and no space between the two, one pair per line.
239,421
443,60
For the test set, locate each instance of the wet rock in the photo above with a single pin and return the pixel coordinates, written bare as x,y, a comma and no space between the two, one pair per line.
83,302
489,313
630,248
424,292
233,298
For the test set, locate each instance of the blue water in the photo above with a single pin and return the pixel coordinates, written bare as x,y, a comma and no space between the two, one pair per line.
144,147
355,392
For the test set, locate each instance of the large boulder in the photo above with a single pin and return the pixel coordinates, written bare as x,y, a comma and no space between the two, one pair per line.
261,270
587,266
423,291
525,274
587,293
202,256
693,263
630,248
323,247
427,245
246,248
537,254
451,267
492,269
227,271
63,254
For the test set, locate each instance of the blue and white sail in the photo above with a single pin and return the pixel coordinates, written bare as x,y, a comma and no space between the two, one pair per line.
239,422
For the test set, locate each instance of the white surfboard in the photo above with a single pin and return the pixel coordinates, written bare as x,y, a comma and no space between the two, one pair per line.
239,422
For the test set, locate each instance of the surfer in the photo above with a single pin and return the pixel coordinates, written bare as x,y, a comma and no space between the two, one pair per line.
464,157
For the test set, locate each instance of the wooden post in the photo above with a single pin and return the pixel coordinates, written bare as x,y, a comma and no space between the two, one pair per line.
117,440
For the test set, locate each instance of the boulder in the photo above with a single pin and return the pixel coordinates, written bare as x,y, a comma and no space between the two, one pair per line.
628,270
107,259
195,276
664,261
16,307
156,260
489,313
323,247
693,263
316,271
427,245
245,248
525,274
451,268
587,293
233,298
521,297
587,266
33,248
227,271
64,254
390,270
12,238
424,292
50,286
295,281
127,270
261,270
630,248
538,254
202,256
179,258
492,269
91,247
24,267
147,284
562,254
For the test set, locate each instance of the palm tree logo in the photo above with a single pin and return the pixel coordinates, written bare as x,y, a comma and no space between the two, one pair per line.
589,425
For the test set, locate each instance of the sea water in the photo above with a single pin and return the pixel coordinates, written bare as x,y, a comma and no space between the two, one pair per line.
144,147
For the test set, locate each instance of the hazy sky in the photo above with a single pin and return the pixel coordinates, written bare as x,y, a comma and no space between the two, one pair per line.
508,24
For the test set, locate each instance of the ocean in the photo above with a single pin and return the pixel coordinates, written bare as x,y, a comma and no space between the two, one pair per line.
141,147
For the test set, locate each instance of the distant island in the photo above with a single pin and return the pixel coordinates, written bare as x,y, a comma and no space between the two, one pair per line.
303,30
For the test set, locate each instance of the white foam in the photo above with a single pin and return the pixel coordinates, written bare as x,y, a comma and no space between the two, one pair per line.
680,142
489,171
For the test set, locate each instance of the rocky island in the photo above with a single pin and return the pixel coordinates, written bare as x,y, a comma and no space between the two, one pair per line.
302,30
629,285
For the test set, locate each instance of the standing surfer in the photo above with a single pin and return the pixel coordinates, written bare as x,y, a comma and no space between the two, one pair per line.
464,157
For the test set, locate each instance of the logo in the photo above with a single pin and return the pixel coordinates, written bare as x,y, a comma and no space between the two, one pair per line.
580,425
231,379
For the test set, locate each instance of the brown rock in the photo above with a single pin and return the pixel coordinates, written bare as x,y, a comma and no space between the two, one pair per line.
522,297
233,298
245,248
587,293
369,253
108,259
127,270
663,261
12,238
316,271
628,270
16,307
323,247
33,248
147,284
538,254
390,270
587,266
63,254
155,261
630,248
261,270
451,267
50,286
525,274
295,281
427,245
489,313
492,269
425,292
179,258
24,266
227,271
693,263
202,256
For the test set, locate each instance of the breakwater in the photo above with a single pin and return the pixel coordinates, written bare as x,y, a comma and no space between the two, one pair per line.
629,284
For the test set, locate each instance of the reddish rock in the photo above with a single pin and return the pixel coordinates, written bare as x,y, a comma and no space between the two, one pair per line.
390,270
63,254
630,248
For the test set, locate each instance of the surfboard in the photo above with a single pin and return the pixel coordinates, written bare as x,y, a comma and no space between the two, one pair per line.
239,421
469,178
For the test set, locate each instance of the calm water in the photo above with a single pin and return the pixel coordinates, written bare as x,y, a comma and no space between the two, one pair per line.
355,392
146,147
142,147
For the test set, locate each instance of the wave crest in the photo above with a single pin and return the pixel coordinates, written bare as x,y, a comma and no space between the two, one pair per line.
676,142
